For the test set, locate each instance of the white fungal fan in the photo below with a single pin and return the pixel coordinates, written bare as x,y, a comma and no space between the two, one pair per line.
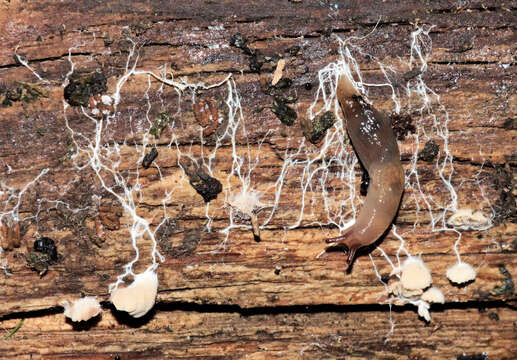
83,309
461,273
415,275
139,297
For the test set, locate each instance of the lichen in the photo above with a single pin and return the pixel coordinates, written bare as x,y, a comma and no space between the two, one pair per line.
25,92
159,124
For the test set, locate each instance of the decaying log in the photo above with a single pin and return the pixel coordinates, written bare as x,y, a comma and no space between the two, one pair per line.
229,296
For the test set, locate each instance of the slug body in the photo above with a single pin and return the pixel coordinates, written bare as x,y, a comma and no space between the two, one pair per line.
376,146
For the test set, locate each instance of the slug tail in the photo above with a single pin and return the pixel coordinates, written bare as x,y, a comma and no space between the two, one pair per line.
344,240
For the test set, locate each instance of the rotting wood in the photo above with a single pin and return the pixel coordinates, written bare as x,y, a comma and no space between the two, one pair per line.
471,66
295,334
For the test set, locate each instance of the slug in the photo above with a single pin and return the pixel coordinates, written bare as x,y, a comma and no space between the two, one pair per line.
376,147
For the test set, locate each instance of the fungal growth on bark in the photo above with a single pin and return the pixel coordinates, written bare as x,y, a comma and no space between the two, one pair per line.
139,297
235,150
82,309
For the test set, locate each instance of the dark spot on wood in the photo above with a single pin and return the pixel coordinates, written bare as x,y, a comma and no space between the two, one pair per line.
47,246
283,112
504,207
283,83
149,158
25,92
238,41
256,61
315,131
402,125
493,316
294,50
507,287
80,89
429,152
509,124
205,185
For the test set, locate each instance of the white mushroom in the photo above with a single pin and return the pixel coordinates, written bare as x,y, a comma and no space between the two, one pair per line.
433,295
398,290
423,310
461,273
139,297
247,204
83,309
469,218
415,275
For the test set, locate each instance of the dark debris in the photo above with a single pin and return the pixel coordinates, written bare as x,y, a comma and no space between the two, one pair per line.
507,287
402,125
429,152
316,131
284,112
149,158
80,89
205,185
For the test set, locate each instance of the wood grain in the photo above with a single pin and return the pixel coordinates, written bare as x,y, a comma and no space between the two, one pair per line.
208,281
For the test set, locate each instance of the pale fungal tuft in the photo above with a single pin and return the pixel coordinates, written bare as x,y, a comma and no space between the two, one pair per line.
415,275
139,297
461,273
433,295
423,310
247,204
469,218
83,309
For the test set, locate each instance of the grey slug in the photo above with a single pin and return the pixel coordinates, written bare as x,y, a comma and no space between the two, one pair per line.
376,146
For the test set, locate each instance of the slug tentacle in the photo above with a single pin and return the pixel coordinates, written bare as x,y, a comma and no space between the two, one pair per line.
376,146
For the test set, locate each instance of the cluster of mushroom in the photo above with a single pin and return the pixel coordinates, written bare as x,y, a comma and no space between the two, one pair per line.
136,299
414,284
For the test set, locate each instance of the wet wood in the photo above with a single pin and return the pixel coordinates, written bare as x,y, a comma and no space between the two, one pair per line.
471,65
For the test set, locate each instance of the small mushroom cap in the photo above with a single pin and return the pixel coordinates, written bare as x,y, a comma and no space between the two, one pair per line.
433,295
83,309
415,275
246,203
139,297
461,273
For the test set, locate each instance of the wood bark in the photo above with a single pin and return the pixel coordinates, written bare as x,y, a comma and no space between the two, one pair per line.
234,297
